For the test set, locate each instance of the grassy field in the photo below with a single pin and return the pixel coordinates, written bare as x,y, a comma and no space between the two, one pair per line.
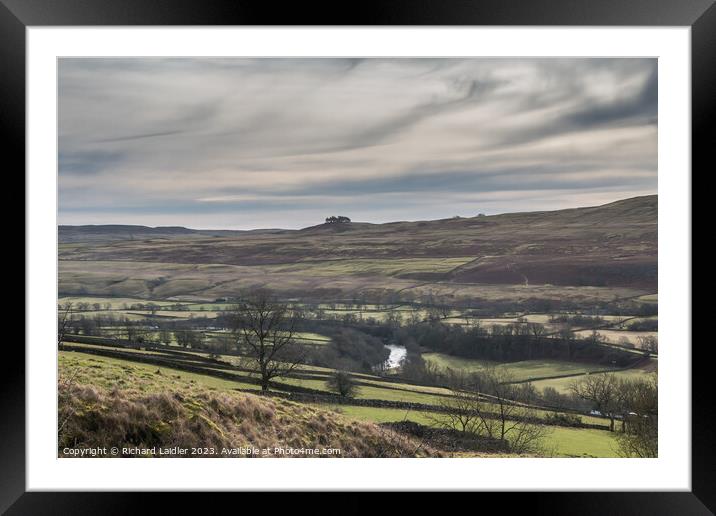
415,394
235,360
392,267
520,371
106,372
309,338
500,266
376,389
649,298
114,302
582,442
562,385
110,372
312,338
374,392
121,308
617,336
115,348
566,442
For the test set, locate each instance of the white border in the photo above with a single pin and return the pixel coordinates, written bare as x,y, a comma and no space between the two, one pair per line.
670,471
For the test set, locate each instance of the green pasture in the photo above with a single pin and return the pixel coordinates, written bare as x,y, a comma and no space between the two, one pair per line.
565,442
581,442
618,336
521,371
110,372
562,385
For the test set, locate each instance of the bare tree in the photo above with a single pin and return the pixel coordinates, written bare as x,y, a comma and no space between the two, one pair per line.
649,344
602,391
640,437
491,407
461,411
63,323
265,330
515,421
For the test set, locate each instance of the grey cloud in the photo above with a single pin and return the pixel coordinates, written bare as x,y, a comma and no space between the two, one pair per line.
166,133
136,136
554,177
642,107
87,162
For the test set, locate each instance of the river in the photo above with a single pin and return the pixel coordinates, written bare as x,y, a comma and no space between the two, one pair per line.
397,355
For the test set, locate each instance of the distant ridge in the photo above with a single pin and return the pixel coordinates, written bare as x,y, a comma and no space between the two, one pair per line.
111,232
613,245
634,208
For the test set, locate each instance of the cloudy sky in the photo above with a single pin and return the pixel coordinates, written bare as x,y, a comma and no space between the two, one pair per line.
257,143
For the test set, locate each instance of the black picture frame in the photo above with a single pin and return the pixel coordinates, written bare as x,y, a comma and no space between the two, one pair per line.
17,15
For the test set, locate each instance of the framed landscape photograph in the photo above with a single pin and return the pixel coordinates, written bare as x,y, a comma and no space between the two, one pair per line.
402,255
493,292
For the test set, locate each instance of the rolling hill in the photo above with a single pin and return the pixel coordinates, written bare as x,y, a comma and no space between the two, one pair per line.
613,247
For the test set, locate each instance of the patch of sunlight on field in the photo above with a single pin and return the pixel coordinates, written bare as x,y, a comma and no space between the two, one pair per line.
216,307
175,314
312,338
380,415
108,372
496,320
239,361
617,336
417,388
114,348
391,266
562,385
581,442
115,302
521,371
117,314
370,392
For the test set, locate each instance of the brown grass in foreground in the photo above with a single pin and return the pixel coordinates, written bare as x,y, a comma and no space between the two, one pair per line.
188,416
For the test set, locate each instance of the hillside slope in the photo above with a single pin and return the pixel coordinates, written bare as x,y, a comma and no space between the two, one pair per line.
127,407
614,245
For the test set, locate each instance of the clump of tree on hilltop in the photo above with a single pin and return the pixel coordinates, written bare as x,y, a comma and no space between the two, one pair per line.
340,219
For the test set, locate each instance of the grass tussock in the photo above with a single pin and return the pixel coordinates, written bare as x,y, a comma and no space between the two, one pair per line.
104,407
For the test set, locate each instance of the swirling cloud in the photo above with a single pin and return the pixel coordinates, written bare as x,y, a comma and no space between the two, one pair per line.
245,143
